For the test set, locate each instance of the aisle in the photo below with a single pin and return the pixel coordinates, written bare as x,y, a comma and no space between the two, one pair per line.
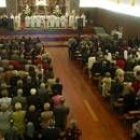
95,119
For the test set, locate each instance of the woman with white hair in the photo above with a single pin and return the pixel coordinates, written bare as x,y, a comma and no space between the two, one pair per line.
33,99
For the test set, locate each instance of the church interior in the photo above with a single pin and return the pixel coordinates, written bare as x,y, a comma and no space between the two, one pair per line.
69,70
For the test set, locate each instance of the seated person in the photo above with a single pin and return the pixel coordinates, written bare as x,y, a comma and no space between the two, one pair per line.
136,130
129,99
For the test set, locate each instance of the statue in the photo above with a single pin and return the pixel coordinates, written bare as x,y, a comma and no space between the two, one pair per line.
41,3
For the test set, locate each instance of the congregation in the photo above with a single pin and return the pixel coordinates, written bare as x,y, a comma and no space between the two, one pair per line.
115,64
32,105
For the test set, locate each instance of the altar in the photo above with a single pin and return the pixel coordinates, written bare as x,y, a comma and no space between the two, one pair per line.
42,18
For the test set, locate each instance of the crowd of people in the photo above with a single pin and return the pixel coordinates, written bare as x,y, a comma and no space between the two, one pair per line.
116,64
32,105
46,21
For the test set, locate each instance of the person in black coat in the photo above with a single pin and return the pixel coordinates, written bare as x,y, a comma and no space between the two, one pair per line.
51,132
73,132
61,112
57,87
129,99
33,123
33,99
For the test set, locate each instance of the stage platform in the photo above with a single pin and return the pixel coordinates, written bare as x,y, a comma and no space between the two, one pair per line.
51,37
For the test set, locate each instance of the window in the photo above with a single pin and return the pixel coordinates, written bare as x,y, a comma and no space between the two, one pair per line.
2,3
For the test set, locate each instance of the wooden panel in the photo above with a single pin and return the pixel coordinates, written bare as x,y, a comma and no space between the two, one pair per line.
110,20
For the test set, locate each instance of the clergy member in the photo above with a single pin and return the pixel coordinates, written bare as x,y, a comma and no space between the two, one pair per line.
72,19
84,19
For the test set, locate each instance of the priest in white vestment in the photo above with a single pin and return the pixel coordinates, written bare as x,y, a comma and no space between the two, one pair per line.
57,21
84,19
67,19
38,22
27,21
35,20
12,17
52,21
48,19
32,21
72,19
42,25
63,21
18,21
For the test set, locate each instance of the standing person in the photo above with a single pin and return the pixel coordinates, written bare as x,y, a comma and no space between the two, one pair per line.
5,118
61,112
136,131
18,118
1,136
73,132
51,132
33,123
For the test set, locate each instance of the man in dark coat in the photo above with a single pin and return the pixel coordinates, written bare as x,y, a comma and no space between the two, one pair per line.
61,111
51,132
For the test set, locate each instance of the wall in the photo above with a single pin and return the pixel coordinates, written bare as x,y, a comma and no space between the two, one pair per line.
110,20
131,25
11,7
74,5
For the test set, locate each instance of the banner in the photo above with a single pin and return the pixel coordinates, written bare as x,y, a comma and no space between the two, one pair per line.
132,2
118,1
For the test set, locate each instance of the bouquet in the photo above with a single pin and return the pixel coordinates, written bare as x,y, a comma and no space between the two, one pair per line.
57,13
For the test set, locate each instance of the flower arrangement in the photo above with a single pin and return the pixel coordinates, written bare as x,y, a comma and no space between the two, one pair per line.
57,12
27,11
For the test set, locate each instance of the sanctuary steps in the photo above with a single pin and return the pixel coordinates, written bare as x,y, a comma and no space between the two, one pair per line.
51,37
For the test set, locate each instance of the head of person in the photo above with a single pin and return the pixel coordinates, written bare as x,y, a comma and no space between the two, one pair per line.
4,107
33,91
18,106
51,122
4,93
46,107
120,75
42,85
73,124
32,108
